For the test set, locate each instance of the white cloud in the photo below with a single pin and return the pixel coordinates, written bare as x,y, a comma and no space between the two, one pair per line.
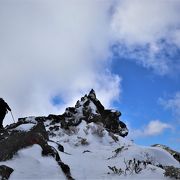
147,31
172,103
153,128
50,48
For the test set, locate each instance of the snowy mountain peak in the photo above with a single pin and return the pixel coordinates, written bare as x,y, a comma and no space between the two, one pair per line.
90,109
85,142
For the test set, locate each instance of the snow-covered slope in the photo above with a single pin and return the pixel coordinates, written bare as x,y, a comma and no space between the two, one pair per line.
28,163
91,150
87,142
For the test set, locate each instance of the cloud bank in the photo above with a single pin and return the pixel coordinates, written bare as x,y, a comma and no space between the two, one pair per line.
54,48
62,48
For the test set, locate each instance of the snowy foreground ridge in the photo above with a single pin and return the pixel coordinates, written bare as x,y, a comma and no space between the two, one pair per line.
87,142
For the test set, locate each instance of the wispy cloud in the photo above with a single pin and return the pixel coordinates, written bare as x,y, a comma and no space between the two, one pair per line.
149,33
172,103
155,127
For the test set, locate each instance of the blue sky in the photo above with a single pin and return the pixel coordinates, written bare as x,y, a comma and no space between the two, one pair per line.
54,52
140,101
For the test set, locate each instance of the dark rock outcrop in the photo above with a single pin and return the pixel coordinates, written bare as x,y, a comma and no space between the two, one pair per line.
5,172
90,109
13,140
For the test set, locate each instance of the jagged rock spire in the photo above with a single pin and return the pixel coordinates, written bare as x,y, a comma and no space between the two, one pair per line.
92,94
90,109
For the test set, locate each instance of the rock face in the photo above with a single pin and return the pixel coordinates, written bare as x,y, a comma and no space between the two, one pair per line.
90,109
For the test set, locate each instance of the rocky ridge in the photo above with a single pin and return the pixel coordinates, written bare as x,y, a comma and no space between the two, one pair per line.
85,142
